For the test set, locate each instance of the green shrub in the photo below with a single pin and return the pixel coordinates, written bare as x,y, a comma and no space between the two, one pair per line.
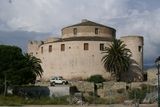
137,93
108,100
96,79
96,100
17,101
143,86
146,87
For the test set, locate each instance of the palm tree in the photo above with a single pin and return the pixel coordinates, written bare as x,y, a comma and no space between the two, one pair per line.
116,59
33,65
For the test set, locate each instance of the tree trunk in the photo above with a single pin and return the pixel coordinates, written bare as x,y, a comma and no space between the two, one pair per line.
118,77
5,85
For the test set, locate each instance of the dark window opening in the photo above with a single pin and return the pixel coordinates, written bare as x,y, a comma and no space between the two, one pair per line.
50,48
140,48
96,30
41,49
101,47
86,46
75,31
62,47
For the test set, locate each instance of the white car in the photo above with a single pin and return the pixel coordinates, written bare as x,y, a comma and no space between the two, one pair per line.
58,80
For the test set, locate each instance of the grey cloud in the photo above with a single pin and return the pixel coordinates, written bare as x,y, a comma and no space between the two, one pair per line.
140,17
20,38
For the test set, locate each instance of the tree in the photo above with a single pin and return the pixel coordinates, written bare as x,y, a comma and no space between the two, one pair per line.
33,65
116,59
96,79
17,68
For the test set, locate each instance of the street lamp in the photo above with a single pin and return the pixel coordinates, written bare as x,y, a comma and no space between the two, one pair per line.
157,61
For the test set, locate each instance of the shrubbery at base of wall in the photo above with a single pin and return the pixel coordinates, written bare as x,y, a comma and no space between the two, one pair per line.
16,100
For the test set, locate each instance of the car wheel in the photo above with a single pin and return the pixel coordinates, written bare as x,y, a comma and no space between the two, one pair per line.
52,84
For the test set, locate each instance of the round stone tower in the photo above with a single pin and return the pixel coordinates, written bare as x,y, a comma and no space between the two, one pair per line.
135,44
88,28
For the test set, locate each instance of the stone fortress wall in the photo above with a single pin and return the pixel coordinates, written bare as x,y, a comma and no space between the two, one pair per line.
78,53
135,44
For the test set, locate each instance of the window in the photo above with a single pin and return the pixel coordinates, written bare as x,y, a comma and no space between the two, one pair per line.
31,53
140,48
101,46
75,31
50,48
96,30
62,47
41,49
86,46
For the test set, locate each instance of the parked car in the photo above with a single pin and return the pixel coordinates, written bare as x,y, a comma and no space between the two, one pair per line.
58,80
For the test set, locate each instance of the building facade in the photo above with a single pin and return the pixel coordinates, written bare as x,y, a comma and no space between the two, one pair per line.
77,53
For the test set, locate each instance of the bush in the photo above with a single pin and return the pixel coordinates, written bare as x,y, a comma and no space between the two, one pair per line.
143,86
120,91
17,101
137,93
96,79
147,88
108,100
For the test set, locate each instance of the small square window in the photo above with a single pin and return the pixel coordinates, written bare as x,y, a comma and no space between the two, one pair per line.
86,46
62,47
75,31
101,46
96,30
50,48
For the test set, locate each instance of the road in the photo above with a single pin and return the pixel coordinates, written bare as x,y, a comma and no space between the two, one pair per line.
115,105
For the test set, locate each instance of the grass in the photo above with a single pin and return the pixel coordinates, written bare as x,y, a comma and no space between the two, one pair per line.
108,100
17,101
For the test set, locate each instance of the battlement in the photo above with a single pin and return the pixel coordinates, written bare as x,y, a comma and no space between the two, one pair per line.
35,42
51,39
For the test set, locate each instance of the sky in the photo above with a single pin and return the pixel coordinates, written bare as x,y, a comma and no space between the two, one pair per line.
24,20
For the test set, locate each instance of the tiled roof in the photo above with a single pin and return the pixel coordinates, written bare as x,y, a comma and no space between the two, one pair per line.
88,23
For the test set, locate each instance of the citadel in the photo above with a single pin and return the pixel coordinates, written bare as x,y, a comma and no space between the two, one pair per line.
77,53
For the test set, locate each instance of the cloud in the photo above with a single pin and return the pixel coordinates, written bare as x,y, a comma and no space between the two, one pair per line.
147,25
47,15
128,17
20,38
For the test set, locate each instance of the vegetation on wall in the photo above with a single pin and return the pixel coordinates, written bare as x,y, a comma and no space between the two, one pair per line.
116,58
